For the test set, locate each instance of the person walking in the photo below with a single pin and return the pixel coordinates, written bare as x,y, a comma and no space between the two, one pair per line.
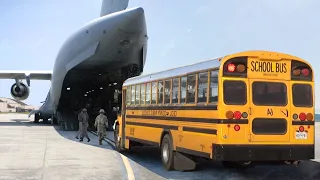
80,119
101,123
85,123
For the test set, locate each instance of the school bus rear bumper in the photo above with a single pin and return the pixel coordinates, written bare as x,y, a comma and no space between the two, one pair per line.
262,152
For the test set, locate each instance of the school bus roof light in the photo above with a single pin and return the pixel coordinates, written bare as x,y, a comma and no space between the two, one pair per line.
231,67
241,68
309,117
296,72
305,72
302,116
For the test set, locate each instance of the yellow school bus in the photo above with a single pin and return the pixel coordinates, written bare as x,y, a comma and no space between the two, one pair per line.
241,109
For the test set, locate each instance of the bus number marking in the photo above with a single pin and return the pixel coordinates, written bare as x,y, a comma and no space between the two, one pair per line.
159,113
202,147
267,68
285,112
132,131
269,112
180,138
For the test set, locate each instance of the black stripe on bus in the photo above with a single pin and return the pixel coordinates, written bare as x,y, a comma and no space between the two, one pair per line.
193,152
152,125
190,119
170,107
200,130
302,122
142,141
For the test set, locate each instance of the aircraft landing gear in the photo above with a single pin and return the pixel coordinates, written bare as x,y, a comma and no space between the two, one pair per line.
36,118
54,120
45,121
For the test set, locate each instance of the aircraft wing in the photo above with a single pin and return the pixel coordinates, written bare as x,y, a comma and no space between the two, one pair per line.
33,75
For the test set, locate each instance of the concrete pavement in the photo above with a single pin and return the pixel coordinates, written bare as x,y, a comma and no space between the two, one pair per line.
31,151
146,161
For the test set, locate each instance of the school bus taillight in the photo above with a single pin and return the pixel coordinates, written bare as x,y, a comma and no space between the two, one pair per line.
302,116
301,128
229,115
236,127
309,117
237,115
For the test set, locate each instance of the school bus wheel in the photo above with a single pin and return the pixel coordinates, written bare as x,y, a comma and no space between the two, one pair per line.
117,139
167,152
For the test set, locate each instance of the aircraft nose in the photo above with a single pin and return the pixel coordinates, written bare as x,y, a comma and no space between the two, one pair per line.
135,21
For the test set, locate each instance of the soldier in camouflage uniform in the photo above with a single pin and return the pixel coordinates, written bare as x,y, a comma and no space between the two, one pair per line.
101,123
84,118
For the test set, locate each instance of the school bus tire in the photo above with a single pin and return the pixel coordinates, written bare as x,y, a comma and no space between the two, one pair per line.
117,139
167,154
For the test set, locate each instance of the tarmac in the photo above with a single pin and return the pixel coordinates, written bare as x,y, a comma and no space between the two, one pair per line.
38,151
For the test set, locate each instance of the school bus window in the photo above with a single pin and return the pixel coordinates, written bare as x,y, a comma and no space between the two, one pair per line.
138,94
133,92
213,86
160,92
154,93
143,95
175,90
269,94
302,95
202,87
167,91
183,93
128,91
148,93
234,92
191,83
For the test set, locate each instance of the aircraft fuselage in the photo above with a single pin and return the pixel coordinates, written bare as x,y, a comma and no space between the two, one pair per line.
107,43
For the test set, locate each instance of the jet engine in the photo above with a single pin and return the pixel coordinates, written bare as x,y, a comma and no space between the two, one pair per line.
19,92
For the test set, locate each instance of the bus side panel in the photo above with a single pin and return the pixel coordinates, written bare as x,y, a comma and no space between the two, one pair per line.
197,131
197,143
149,131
